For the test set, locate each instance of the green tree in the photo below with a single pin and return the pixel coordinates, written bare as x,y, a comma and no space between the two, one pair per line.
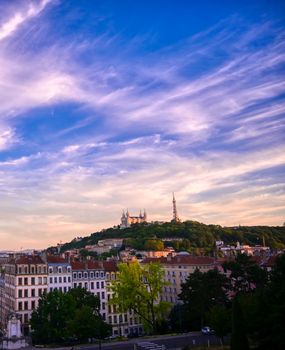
49,321
82,297
62,315
245,274
180,319
154,244
201,291
138,289
270,328
238,337
219,319
85,324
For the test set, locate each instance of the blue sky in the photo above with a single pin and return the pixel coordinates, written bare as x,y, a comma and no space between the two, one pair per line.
108,105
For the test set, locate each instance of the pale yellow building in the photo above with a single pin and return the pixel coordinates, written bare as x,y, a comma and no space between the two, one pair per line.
177,269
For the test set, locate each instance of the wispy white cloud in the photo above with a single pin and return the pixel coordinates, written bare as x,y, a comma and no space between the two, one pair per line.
17,19
7,137
154,125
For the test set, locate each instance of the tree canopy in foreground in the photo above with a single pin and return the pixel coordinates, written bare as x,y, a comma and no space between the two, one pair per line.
138,289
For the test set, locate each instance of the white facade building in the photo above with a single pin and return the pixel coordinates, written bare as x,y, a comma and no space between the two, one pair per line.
25,281
59,274
91,276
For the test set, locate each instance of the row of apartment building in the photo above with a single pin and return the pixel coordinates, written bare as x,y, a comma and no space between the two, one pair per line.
27,277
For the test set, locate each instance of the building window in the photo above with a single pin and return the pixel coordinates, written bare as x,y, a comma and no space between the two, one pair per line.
92,285
85,275
26,293
20,293
69,279
50,280
26,281
40,280
59,279
86,285
33,281
103,295
64,279
50,270
74,275
79,275
33,305
33,293
102,284
26,305
20,306
97,285
20,281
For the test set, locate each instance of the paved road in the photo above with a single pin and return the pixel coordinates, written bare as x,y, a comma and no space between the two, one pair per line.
170,342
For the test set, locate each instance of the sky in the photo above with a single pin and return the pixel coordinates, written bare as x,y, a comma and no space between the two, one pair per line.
108,105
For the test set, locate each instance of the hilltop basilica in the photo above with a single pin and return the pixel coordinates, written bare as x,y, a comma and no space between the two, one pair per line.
127,220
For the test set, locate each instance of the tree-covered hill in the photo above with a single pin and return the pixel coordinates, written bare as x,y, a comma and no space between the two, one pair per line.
193,233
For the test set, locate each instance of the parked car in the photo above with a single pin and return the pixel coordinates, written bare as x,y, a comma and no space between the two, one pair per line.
207,330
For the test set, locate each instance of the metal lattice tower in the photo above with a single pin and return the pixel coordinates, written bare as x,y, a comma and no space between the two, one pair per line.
175,214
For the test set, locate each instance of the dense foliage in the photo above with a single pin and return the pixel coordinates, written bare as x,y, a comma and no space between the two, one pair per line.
201,291
137,289
254,299
193,235
64,316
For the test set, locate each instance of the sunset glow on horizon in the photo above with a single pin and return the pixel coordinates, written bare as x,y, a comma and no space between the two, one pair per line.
107,105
